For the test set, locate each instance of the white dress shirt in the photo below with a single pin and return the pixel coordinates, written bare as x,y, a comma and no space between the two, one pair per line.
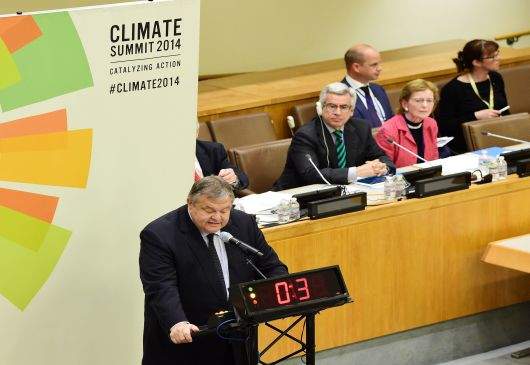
356,85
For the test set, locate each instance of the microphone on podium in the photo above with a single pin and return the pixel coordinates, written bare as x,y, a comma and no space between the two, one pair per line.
227,237
308,156
391,141
486,133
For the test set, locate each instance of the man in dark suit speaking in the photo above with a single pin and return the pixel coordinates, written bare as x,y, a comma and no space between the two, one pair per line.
342,148
186,270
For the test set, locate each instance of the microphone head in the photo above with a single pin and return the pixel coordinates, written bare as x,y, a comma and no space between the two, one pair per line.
389,140
225,236
290,121
308,156
484,133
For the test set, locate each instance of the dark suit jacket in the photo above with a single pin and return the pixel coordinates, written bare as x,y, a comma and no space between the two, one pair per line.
360,147
361,112
213,158
178,282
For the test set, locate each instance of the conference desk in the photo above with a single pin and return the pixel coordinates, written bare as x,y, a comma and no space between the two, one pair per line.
410,263
277,91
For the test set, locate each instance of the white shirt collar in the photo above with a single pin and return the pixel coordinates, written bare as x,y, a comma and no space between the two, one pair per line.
354,83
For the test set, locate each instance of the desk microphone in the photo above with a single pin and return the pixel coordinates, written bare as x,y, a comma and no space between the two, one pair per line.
391,141
227,237
486,133
308,156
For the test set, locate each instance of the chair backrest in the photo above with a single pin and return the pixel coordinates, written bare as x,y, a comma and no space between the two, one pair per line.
514,126
204,132
243,130
517,85
263,163
303,113
393,97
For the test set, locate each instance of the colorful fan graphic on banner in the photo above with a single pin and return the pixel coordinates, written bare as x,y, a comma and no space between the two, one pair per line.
41,57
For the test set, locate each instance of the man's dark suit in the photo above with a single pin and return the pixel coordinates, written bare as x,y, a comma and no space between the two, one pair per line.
361,112
213,158
360,147
179,284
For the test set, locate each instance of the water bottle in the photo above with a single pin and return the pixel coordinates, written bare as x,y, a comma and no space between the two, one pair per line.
390,187
494,170
483,162
283,211
502,168
400,186
294,209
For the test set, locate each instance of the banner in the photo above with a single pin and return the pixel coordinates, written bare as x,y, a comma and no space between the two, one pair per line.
97,138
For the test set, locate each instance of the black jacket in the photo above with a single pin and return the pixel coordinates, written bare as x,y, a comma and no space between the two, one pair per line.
314,139
213,158
178,282
458,104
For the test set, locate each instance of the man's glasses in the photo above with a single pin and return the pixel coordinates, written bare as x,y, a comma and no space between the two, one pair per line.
333,107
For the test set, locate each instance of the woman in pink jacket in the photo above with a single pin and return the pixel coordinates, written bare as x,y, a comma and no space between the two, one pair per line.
412,127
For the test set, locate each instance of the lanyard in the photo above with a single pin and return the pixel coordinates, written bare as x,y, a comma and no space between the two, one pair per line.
474,86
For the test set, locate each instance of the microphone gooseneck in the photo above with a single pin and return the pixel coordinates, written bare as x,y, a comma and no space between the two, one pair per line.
308,156
226,237
489,134
391,141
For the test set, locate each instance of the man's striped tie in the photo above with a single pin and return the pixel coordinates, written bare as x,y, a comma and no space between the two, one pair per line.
341,149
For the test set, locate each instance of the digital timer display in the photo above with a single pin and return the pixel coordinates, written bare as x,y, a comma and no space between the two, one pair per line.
292,290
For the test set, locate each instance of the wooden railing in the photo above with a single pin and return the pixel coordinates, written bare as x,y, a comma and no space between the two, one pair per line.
511,38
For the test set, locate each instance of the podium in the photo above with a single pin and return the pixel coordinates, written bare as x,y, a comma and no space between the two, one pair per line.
512,253
301,295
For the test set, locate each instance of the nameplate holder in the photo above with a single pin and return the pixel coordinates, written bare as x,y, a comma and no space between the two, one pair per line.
336,205
523,167
442,184
513,157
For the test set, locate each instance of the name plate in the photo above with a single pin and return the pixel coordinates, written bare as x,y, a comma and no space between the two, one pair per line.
442,184
523,167
337,205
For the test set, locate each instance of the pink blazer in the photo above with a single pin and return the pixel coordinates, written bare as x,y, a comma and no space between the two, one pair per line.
396,129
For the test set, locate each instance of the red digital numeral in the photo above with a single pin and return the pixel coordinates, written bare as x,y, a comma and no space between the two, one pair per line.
303,289
282,289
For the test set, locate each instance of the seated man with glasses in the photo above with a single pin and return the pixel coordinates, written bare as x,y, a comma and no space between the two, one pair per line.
342,148
412,127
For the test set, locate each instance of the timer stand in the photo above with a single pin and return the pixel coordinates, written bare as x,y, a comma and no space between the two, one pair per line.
300,295
308,347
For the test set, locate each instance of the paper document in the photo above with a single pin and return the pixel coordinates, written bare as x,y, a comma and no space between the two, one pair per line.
375,193
454,164
492,152
256,203
442,141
